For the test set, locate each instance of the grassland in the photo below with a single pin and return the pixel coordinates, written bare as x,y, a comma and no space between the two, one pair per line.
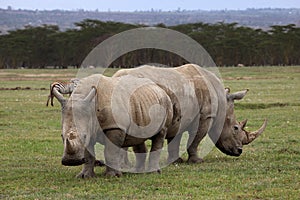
269,168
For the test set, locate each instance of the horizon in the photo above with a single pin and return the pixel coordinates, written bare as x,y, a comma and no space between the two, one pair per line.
155,5
151,10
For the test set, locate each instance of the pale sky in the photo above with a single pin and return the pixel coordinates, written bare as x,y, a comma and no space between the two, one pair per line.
132,5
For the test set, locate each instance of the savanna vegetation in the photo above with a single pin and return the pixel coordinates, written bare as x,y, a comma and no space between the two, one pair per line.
228,45
31,147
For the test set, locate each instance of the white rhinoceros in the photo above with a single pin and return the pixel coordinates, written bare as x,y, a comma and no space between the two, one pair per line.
201,106
129,111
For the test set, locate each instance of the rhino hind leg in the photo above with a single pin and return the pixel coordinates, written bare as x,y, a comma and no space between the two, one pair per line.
156,147
125,163
173,149
140,155
195,160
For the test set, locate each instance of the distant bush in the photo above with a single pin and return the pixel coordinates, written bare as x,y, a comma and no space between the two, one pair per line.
228,44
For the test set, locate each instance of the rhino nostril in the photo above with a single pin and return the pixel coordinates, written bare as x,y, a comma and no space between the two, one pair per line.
240,150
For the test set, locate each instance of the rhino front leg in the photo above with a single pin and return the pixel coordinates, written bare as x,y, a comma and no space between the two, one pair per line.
193,146
140,155
88,167
156,147
113,142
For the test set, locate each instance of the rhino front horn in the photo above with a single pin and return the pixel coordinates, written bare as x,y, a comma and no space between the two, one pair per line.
253,135
69,149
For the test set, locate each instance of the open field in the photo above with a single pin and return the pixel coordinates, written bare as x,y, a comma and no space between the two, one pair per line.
269,168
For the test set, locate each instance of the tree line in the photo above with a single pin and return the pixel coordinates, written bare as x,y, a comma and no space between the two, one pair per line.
228,44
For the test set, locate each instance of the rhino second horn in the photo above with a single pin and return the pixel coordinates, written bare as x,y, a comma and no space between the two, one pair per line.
69,149
253,135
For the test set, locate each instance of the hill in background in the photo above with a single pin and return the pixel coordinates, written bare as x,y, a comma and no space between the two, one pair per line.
256,18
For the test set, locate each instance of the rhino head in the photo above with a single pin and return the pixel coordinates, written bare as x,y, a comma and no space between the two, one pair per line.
234,135
78,127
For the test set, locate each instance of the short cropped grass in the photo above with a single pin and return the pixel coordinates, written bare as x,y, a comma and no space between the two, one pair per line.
269,168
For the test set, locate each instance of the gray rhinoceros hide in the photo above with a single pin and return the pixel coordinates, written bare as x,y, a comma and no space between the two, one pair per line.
200,106
119,112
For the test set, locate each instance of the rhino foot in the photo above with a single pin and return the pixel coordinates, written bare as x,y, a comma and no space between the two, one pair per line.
155,170
99,163
86,174
139,169
179,160
125,165
195,160
112,173
175,161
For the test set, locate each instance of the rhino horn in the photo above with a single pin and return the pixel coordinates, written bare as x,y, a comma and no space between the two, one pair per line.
59,96
253,135
69,149
91,95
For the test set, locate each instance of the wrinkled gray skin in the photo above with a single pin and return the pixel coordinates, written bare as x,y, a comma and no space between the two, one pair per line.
89,113
212,114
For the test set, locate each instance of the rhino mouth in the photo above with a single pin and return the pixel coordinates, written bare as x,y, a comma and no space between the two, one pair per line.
233,152
72,162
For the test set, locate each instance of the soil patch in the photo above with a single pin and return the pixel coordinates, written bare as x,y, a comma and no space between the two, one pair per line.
22,88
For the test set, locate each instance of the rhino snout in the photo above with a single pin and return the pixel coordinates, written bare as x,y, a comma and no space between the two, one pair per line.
236,151
240,150
72,161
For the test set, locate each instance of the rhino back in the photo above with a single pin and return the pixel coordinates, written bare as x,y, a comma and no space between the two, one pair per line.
127,102
190,88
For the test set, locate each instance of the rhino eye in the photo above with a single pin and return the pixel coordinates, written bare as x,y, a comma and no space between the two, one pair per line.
236,127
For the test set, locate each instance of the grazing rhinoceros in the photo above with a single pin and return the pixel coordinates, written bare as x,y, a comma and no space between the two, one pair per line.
129,111
200,106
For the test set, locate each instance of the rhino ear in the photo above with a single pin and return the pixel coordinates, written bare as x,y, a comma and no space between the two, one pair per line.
237,95
91,94
227,90
243,123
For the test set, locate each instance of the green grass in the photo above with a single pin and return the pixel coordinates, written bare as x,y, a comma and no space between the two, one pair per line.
269,168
